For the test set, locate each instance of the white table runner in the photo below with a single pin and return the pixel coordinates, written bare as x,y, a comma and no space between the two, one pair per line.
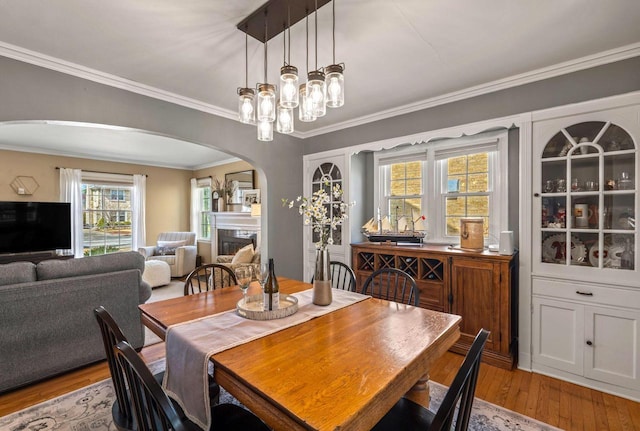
190,345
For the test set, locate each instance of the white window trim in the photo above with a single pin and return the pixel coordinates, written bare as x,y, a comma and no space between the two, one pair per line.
432,175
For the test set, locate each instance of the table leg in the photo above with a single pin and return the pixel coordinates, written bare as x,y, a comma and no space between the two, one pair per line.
419,393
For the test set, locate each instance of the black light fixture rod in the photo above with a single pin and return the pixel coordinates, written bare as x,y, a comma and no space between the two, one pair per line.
246,60
316,29
265,44
333,5
289,32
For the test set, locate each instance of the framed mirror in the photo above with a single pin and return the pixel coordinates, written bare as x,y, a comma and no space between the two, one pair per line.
243,180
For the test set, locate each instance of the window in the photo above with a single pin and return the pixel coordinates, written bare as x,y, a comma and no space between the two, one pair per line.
326,176
201,206
445,181
106,216
466,190
403,194
204,227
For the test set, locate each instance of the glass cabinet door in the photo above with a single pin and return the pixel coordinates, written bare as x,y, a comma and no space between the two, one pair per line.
588,196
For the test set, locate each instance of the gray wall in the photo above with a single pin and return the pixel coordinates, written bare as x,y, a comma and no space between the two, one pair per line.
33,93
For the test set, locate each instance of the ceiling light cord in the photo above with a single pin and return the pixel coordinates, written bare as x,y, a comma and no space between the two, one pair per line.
265,44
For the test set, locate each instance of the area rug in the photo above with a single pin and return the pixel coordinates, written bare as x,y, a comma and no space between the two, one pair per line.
89,409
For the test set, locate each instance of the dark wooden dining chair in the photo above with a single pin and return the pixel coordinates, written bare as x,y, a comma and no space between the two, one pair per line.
407,415
154,411
392,284
342,276
121,410
208,277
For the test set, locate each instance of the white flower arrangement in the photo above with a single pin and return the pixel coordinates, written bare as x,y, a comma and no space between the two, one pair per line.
314,210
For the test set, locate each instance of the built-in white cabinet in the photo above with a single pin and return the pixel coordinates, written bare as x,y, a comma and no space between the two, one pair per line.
584,244
588,330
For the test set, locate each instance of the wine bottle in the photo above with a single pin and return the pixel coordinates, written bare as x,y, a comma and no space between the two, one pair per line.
271,294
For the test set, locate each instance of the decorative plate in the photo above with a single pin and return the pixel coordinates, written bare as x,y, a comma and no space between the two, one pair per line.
594,254
554,247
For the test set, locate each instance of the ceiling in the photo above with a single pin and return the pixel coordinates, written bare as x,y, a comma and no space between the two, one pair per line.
400,55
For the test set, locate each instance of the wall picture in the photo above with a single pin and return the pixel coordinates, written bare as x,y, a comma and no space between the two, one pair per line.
249,197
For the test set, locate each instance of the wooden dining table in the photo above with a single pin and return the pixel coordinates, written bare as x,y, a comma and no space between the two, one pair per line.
341,371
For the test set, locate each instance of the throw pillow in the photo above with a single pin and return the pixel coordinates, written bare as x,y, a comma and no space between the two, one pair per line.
256,257
165,251
244,255
172,243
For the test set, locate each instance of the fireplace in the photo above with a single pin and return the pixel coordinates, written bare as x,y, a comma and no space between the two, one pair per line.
230,231
232,240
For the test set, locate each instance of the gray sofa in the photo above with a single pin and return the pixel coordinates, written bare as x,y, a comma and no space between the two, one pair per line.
46,313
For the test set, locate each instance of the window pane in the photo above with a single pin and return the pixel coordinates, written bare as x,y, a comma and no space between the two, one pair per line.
414,187
397,187
478,163
453,226
477,206
479,182
398,171
457,184
414,170
457,165
456,206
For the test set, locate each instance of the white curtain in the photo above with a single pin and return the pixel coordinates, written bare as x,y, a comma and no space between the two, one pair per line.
195,206
138,199
71,191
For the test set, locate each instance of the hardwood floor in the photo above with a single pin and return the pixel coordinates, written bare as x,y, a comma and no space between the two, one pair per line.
564,405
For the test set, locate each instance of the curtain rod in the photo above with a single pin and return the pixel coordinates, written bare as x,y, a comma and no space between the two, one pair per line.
202,178
102,172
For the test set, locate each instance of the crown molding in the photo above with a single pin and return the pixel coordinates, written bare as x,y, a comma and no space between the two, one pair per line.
52,63
606,57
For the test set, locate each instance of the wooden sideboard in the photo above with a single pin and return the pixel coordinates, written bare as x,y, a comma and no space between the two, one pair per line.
479,286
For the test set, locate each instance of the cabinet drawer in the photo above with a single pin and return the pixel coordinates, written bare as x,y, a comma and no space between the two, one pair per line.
588,293
432,296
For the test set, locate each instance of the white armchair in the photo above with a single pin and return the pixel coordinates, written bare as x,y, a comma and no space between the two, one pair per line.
178,249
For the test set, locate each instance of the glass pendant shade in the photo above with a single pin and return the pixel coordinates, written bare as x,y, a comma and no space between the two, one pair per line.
266,103
246,105
335,85
284,122
317,92
265,131
289,86
305,109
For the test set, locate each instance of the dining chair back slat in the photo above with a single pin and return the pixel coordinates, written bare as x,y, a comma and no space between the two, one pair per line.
208,277
392,284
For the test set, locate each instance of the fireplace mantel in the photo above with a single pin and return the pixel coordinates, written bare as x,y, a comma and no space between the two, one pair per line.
241,221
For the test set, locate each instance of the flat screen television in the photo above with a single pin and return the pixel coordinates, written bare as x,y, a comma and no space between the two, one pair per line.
34,226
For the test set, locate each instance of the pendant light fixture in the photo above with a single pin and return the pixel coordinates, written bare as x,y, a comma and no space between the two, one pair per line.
288,73
246,99
316,85
324,87
266,99
305,109
335,72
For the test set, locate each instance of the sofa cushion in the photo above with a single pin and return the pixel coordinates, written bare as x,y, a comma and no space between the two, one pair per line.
244,255
17,272
52,269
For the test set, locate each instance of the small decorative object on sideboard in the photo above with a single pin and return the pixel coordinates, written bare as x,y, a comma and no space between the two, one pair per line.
412,231
472,234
